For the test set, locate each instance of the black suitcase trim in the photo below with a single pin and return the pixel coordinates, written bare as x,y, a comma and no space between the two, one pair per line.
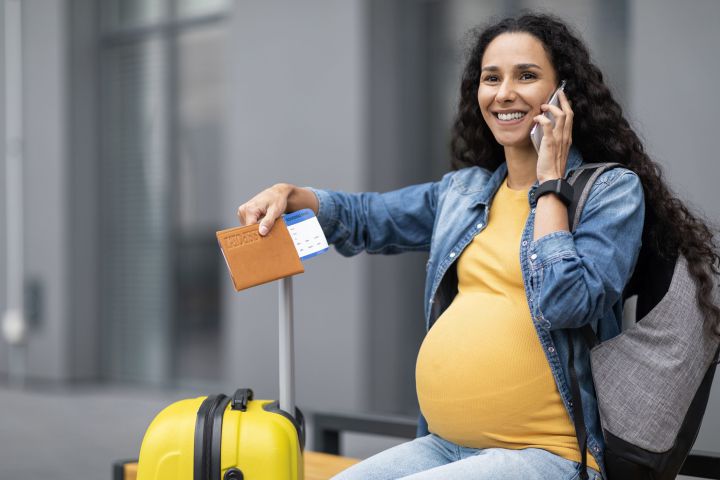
208,435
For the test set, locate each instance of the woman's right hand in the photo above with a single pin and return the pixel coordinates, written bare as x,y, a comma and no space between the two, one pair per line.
268,205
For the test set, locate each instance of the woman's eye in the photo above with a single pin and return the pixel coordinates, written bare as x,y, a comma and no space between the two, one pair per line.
491,78
527,76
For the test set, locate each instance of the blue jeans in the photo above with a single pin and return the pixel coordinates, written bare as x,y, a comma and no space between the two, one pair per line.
431,457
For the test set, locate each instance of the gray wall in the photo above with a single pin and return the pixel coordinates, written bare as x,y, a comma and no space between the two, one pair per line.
46,181
3,347
82,194
399,142
673,104
60,196
674,94
297,115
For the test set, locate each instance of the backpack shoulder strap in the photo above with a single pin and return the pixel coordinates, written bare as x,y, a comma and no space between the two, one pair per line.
582,179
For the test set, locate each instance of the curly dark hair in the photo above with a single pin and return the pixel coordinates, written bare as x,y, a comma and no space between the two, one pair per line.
670,227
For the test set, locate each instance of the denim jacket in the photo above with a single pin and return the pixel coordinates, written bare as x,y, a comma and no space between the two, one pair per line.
571,279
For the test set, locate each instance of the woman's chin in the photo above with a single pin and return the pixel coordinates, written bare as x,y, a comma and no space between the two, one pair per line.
516,142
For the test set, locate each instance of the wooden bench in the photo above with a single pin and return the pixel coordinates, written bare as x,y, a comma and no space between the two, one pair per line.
318,466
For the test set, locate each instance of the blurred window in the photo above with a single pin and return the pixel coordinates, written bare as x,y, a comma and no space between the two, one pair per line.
162,100
132,13
198,7
198,262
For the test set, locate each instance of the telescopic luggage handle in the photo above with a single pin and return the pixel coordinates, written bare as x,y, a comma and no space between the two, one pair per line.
287,349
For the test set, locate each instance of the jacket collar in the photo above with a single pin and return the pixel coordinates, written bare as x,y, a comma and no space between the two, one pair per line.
486,195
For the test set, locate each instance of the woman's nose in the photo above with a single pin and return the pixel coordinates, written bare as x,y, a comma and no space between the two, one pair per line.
506,92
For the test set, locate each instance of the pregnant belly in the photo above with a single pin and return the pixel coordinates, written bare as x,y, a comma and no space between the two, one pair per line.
482,377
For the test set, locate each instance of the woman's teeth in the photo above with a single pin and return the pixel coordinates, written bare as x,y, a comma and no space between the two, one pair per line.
511,116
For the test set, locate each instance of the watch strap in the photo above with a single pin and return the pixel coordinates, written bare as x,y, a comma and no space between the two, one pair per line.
559,187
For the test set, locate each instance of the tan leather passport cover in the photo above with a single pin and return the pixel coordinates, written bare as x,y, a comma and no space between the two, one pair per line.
254,260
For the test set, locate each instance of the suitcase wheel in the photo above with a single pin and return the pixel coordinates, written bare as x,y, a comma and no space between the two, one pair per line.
233,474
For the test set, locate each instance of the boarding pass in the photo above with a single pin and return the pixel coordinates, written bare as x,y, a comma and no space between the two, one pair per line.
306,233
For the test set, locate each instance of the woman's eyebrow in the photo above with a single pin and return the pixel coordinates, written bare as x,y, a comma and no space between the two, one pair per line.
525,66
519,66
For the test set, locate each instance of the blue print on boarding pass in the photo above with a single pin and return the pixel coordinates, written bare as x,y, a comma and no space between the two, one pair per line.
306,233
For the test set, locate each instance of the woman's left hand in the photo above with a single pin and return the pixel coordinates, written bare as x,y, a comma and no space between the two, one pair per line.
556,141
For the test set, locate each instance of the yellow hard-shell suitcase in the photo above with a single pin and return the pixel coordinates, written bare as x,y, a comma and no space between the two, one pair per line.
231,438
218,437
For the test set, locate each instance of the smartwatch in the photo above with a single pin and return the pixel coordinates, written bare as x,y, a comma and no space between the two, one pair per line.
559,187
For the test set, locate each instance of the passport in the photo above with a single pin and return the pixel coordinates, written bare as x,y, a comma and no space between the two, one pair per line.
253,259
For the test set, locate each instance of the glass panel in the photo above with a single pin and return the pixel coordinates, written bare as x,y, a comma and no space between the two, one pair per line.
188,8
199,154
132,13
135,226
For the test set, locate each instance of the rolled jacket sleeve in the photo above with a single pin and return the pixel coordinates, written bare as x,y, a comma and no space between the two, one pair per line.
580,276
392,222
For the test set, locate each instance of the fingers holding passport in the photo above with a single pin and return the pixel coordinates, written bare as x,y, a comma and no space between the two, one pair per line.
264,208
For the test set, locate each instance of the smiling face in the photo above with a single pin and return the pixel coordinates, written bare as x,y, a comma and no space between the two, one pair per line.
516,78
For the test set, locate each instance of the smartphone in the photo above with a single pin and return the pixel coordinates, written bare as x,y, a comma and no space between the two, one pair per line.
536,133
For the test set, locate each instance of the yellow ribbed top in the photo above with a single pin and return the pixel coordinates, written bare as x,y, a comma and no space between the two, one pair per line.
482,376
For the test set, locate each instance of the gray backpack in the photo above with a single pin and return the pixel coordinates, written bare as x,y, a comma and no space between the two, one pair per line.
652,381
